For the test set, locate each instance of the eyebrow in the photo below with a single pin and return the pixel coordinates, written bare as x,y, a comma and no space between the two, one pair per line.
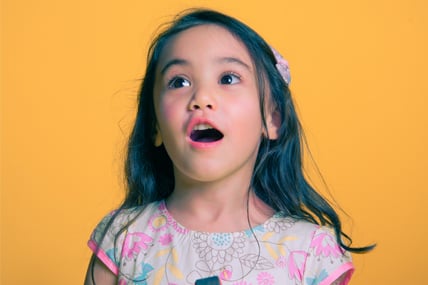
180,61
174,61
234,60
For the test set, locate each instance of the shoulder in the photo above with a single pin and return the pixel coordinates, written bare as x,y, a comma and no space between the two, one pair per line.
311,234
313,250
115,222
327,262
297,229
324,242
108,237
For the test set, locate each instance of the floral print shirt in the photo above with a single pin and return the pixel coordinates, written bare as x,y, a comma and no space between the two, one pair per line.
156,249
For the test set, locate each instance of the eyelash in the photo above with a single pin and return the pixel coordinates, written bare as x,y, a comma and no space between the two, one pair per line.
230,74
176,78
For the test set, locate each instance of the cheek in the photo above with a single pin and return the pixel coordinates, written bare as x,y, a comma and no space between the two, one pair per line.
250,109
165,112
247,115
163,108
168,114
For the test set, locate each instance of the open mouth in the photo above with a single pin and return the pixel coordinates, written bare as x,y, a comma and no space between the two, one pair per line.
205,133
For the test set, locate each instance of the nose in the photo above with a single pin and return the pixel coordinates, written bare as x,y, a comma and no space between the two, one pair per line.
202,99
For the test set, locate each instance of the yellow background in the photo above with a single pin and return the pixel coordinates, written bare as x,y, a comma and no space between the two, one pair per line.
70,73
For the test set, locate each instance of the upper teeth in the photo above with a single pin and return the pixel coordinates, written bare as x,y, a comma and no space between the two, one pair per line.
201,127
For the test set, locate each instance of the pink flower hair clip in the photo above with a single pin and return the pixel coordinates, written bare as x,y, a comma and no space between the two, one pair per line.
282,66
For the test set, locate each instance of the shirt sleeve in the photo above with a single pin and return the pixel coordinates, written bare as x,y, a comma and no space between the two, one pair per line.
104,242
327,262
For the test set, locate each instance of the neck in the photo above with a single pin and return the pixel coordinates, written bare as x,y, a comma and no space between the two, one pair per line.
217,208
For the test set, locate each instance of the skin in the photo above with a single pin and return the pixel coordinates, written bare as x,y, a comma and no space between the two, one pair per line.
102,275
205,75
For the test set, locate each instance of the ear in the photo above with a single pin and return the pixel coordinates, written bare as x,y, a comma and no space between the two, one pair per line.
158,138
273,122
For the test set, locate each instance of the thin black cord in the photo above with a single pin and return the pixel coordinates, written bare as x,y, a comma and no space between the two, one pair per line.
253,233
92,265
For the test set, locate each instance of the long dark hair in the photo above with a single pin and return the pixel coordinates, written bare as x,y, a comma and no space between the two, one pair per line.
278,177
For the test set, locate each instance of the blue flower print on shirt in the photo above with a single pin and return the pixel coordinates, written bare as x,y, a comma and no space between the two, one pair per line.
142,278
110,254
317,280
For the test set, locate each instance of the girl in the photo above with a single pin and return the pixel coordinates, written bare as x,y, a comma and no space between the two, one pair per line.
214,171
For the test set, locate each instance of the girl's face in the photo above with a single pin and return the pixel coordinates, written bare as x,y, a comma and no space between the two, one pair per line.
207,106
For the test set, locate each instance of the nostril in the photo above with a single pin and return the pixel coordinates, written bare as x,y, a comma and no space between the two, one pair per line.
198,107
199,103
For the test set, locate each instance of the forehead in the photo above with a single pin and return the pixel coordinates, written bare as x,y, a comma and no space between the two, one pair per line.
205,41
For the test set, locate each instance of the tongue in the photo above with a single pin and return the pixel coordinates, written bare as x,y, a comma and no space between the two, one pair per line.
208,135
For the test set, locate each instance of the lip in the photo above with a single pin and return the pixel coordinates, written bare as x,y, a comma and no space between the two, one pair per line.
196,121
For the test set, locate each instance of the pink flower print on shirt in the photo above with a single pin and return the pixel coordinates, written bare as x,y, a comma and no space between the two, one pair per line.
265,278
226,274
166,239
296,264
163,219
281,262
134,243
325,244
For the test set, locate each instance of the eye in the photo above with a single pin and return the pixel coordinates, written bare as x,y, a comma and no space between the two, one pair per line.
230,78
178,82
